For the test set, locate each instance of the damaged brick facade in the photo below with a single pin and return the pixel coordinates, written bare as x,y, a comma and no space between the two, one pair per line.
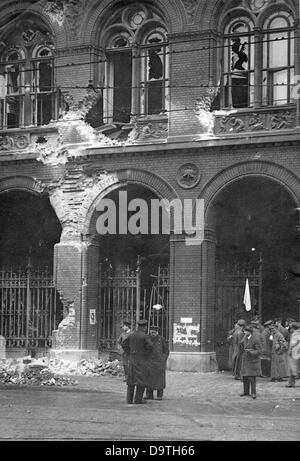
181,139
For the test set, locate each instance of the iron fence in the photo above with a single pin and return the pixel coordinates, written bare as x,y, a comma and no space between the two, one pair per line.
29,307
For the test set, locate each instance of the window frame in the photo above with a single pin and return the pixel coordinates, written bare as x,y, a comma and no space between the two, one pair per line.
258,34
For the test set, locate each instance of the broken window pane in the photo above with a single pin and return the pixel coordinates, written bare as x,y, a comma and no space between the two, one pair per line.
239,76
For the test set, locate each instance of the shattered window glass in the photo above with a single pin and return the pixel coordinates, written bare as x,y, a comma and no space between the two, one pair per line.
238,65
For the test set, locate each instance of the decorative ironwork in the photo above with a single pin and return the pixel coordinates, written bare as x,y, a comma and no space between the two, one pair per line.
29,308
122,296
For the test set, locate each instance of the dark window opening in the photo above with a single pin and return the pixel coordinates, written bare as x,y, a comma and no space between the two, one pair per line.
122,87
155,97
13,111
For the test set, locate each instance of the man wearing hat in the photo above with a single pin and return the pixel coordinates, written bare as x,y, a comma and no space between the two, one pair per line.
293,353
279,349
158,363
266,349
139,347
237,338
126,330
251,366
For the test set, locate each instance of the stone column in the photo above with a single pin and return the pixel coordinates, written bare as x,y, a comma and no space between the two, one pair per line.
258,68
208,291
191,306
70,276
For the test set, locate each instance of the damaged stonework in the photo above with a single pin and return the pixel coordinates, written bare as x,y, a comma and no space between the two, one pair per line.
72,196
66,10
203,111
74,134
62,338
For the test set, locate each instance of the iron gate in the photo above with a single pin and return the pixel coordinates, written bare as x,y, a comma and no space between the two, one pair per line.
230,289
122,295
29,308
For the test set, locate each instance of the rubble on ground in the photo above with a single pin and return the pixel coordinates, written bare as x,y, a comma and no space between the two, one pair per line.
53,372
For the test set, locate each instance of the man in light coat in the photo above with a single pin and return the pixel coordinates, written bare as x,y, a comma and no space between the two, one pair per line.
251,366
293,353
278,359
237,338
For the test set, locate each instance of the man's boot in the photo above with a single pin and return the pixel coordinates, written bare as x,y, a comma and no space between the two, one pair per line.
139,394
292,381
129,396
160,393
246,385
149,394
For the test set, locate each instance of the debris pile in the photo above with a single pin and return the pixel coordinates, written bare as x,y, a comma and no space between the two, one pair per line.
86,368
53,372
31,375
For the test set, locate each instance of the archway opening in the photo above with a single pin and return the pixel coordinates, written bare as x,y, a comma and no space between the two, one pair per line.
30,307
256,225
29,227
133,280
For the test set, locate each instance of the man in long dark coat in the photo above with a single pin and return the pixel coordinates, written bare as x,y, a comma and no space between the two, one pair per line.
251,366
139,346
158,363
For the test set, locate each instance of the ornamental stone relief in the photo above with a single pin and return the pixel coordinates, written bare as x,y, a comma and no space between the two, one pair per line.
14,142
257,5
190,10
148,130
255,121
188,176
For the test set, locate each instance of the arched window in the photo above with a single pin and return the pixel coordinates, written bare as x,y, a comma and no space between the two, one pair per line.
238,74
27,95
12,87
42,91
278,59
136,71
258,58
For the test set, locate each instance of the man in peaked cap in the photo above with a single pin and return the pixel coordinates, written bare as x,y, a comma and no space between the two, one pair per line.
237,337
139,346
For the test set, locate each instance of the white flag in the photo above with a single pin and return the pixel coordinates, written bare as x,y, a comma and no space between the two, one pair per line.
247,297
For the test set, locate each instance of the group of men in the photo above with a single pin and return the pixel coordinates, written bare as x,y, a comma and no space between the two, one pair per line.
144,359
254,344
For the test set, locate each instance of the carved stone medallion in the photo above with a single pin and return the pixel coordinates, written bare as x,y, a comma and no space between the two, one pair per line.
188,176
257,5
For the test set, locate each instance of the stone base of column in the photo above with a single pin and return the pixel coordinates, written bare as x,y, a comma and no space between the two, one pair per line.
195,362
74,355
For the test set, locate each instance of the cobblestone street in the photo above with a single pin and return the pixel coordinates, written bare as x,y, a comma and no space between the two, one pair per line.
196,407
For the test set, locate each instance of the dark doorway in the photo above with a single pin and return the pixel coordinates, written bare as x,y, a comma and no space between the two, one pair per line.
257,239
